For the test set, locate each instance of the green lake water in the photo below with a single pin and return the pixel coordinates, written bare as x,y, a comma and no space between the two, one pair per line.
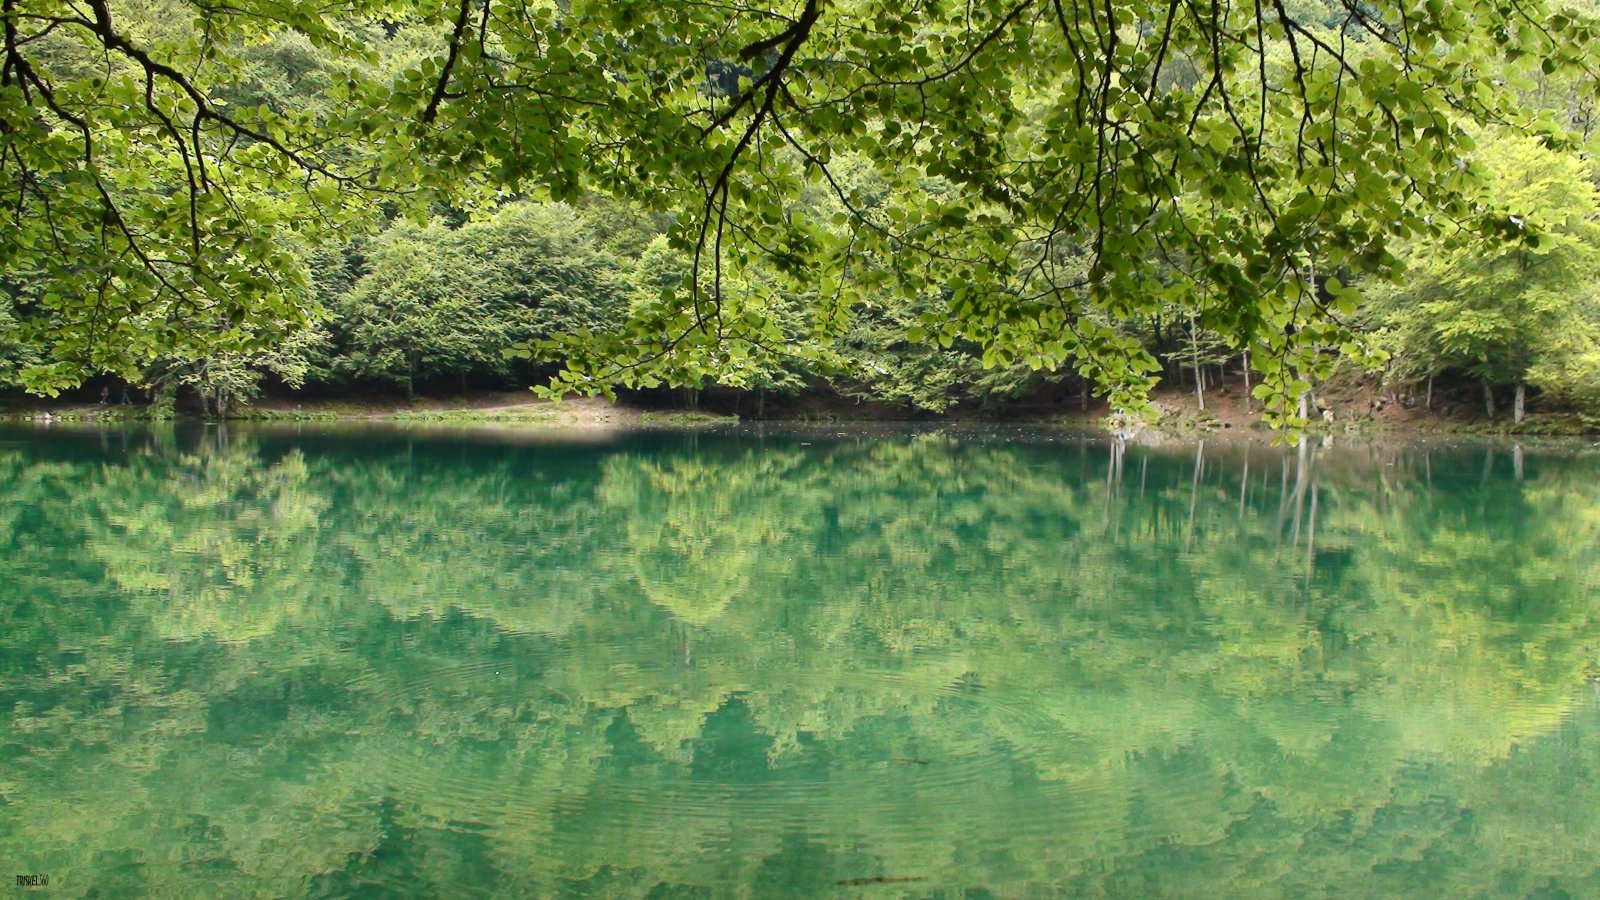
757,663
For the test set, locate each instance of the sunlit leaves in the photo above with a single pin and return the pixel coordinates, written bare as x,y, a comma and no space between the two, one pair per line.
1037,162
1512,303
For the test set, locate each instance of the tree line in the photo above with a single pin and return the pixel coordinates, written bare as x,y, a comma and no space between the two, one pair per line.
931,213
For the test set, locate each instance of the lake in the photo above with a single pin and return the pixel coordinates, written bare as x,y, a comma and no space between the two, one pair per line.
757,662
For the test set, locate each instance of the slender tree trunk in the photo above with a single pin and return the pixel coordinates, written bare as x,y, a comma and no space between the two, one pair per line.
1199,378
1246,371
1519,406
1194,493
1283,492
1311,533
1155,333
1488,399
1244,481
1301,473
1428,403
1083,397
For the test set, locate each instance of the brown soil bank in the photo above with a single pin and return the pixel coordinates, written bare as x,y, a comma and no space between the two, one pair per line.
1363,408
1357,408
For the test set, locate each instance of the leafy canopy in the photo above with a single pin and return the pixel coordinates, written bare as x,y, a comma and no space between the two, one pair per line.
1523,312
1047,169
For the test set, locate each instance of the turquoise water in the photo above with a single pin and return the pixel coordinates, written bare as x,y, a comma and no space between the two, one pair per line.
997,663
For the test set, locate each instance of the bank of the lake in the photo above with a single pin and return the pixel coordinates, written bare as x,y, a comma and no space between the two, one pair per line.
1357,408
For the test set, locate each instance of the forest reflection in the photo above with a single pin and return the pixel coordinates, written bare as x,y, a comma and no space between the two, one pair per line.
746,663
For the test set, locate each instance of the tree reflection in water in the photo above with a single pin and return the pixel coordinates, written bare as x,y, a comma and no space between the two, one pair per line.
746,664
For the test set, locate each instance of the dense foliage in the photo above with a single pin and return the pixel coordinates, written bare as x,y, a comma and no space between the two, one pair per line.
925,202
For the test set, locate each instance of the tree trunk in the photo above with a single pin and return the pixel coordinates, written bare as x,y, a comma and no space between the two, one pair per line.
1519,405
1083,396
1246,371
1244,481
1301,473
1194,492
1199,382
1488,399
1428,403
1311,533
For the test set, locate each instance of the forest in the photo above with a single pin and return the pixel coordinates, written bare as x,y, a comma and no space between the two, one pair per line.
809,658
934,208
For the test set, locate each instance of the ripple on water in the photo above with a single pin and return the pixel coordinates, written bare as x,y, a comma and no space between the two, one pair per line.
566,789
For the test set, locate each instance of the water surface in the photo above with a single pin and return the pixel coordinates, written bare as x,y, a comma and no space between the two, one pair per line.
1009,664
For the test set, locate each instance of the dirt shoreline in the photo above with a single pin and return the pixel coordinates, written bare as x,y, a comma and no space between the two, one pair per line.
1356,411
